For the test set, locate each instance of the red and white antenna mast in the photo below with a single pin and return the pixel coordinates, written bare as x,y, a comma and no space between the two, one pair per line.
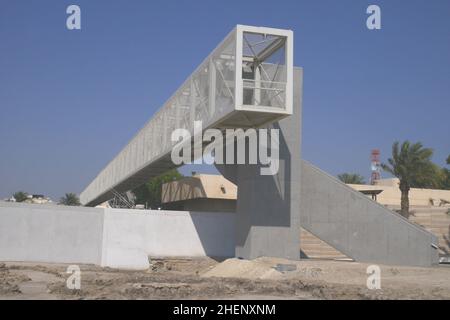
375,166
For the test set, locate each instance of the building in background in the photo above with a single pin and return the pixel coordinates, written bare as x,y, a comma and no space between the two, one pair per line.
389,194
201,192
33,198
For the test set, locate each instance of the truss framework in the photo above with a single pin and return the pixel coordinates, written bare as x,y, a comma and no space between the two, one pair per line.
245,82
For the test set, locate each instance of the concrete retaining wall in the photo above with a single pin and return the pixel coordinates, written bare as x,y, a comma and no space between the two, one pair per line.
49,233
359,227
110,237
132,235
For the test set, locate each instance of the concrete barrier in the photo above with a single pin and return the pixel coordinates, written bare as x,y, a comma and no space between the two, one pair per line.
50,233
359,227
131,235
110,237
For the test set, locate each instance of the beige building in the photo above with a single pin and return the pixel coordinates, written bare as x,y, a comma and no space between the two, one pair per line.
38,199
201,192
390,194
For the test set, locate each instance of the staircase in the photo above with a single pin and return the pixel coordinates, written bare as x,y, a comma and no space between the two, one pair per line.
314,248
437,221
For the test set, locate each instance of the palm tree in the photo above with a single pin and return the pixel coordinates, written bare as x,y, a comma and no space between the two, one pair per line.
70,199
351,178
412,165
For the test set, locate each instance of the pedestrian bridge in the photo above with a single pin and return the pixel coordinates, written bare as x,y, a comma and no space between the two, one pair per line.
247,81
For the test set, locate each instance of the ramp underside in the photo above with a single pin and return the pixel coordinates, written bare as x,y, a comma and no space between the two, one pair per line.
136,172
138,178
359,227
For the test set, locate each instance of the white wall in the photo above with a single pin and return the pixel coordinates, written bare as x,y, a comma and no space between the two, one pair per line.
110,237
50,233
132,235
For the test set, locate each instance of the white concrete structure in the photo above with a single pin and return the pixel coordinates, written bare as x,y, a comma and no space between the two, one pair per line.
110,237
130,236
247,81
360,228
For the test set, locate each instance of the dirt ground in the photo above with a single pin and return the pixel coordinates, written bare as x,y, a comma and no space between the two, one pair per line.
205,278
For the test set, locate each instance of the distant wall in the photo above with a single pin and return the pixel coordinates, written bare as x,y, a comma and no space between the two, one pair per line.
110,237
391,195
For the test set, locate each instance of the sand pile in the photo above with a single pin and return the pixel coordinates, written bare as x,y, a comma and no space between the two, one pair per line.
260,268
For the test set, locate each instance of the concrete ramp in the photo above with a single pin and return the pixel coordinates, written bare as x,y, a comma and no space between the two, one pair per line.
359,227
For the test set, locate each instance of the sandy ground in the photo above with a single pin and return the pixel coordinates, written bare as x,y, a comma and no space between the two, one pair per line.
205,278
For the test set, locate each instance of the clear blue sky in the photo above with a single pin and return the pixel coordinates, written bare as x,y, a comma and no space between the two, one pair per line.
70,100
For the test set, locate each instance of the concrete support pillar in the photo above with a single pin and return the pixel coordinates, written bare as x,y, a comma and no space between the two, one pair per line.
268,217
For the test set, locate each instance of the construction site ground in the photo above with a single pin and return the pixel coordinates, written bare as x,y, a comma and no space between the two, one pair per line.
206,278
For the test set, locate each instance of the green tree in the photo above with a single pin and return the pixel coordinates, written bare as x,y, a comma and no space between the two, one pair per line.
70,199
448,159
438,178
20,196
411,164
435,178
149,193
351,178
